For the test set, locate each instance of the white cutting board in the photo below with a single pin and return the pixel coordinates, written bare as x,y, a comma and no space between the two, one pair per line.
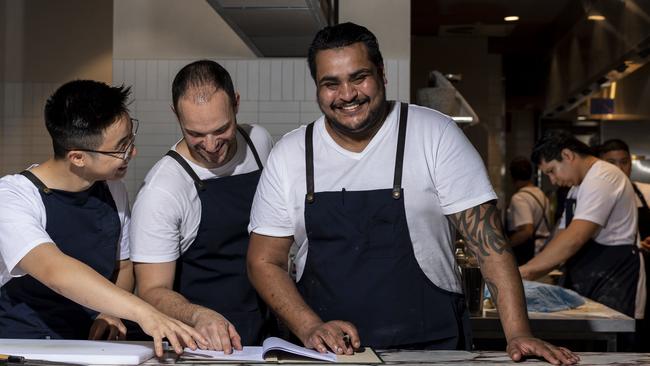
78,351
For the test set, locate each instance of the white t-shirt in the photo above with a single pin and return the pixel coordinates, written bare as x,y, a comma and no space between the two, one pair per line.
606,197
443,174
23,221
524,209
167,211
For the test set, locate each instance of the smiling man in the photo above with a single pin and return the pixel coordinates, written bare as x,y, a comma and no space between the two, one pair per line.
368,192
597,236
64,229
189,231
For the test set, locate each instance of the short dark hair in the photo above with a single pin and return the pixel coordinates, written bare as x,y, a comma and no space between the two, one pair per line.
550,146
200,74
521,168
79,111
612,145
342,35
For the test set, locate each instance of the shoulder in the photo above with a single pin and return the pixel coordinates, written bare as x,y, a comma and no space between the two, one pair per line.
423,117
293,141
166,175
258,134
16,187
604,171
643,187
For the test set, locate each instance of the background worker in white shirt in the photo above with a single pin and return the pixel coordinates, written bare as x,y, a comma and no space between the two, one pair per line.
528,214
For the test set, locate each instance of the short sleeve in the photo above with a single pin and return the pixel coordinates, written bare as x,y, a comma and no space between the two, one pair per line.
596,200
121,198
22,223
522,214
270,212
155,227
459,173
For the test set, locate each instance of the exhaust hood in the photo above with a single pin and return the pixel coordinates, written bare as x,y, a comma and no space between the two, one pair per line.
277,28
442,96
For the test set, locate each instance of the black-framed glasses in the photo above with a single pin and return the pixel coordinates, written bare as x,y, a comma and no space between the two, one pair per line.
121,154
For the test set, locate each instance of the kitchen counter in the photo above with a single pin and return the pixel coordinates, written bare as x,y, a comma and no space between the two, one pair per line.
591,321
397,357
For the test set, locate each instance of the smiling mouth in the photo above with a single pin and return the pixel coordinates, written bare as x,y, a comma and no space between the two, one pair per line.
350,107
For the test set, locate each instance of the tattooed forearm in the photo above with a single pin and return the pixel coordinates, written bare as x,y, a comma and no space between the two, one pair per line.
494,290
481,228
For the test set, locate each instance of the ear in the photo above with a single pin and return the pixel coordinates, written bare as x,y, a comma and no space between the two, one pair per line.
76,158
382,73
567,154
236,103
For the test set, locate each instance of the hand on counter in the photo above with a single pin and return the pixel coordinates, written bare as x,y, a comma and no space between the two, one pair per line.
220,333
333,335
107,324
179,334
520,347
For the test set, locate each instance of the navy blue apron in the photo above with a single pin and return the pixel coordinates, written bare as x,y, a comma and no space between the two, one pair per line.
361,267
526,251
604,273
84,225
212,271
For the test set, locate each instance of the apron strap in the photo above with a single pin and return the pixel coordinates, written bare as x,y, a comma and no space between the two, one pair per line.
200,186
640,195
251,146
569,208
543,207
37,182
399,158
309,161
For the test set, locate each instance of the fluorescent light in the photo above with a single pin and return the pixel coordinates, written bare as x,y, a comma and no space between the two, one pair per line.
511,18
595,16
462,119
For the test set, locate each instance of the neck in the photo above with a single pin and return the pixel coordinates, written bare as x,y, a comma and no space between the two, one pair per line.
61,175
586,164
357,142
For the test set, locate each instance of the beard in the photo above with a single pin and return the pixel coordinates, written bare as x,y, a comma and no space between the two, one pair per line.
369,125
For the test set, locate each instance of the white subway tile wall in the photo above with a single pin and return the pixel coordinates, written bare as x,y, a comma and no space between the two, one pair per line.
276,93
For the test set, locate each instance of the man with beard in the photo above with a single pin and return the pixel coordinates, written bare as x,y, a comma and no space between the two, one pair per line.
368,199
64,229
189,232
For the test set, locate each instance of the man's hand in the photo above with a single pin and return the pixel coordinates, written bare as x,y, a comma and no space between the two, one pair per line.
179,334
332,335
645,244
217,330
520,347
107,327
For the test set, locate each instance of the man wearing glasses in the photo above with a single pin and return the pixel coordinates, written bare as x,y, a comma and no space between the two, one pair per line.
189,231
64,251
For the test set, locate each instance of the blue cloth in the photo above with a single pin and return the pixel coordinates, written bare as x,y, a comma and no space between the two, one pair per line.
545,298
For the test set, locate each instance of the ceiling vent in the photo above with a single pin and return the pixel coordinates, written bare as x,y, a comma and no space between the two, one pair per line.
277,28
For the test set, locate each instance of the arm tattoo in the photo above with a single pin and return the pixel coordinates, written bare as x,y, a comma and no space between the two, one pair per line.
481,228
494,290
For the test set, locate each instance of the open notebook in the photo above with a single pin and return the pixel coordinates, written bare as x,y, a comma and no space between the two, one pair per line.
277,350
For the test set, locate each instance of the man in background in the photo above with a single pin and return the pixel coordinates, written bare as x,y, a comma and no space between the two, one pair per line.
528,213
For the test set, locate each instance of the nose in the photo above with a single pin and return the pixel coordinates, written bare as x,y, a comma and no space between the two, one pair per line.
211,143
553,180
132,152
348,92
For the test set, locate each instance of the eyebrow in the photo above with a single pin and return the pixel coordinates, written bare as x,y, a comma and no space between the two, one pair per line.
220,129
353,75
